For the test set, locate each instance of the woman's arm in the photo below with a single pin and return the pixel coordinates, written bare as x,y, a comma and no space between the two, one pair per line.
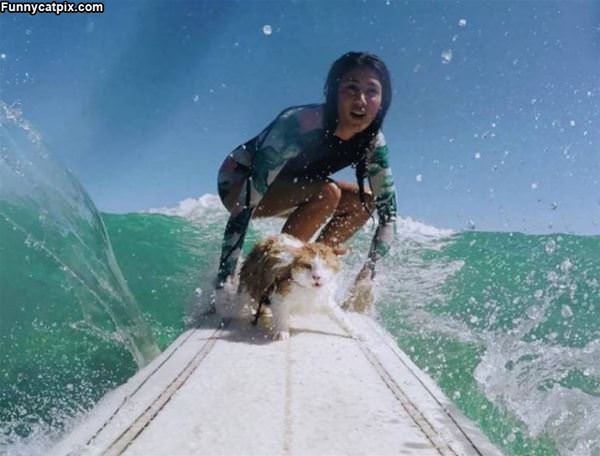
384,192
274,147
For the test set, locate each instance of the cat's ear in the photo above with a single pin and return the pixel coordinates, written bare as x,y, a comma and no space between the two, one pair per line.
286,258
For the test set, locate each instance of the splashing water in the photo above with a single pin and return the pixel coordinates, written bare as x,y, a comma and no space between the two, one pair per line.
58,280
506,325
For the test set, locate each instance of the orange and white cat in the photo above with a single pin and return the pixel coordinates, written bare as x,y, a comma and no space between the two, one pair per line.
289,275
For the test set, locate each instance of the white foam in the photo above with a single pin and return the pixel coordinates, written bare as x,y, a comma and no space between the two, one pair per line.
526,378
419,231
192,208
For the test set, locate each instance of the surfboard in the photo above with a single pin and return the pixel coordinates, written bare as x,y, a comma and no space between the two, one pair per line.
228,389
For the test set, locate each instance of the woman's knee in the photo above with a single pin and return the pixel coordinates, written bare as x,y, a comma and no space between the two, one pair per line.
330,194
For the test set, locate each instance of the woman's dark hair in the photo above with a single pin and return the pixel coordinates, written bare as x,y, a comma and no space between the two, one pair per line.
365,140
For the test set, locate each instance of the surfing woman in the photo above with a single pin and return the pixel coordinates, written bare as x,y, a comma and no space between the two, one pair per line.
286,170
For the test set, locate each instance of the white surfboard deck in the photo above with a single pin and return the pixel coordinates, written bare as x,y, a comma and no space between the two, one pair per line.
327,390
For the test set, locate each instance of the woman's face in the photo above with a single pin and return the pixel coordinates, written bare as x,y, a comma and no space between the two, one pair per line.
359,101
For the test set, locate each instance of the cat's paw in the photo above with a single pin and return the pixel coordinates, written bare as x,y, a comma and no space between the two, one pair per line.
281,335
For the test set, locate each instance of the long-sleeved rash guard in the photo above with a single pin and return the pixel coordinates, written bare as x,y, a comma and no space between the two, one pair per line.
292,147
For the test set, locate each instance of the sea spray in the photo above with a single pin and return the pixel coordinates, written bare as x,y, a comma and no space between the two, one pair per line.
167,261
510,334
59,281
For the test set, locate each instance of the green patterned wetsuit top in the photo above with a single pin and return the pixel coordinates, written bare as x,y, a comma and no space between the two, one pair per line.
257,164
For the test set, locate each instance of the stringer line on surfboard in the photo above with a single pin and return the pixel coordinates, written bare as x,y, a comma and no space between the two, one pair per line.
122,442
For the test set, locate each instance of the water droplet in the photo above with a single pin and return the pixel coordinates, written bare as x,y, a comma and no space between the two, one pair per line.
566,266
566,311
446,56
534,312
550,246
267,29
462,23
419,178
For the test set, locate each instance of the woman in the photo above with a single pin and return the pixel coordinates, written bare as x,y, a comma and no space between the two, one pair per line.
286,169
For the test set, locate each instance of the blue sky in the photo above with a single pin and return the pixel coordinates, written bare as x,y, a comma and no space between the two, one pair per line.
495,122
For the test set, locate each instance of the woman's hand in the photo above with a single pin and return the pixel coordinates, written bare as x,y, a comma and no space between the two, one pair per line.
367,272
361,299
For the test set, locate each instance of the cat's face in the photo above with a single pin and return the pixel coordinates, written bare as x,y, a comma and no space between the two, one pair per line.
315,266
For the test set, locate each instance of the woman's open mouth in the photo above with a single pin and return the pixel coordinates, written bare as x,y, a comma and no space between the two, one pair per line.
358,114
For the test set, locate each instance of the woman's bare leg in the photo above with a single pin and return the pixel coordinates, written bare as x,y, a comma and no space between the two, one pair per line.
349,216
311,205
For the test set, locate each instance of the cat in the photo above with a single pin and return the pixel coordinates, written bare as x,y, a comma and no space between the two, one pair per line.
290,276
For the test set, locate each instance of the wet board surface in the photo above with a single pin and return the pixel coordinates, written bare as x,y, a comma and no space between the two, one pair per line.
329,389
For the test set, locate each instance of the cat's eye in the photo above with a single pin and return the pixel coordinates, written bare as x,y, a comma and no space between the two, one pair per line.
307,266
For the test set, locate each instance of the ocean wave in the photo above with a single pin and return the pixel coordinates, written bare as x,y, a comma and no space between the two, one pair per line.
192,208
